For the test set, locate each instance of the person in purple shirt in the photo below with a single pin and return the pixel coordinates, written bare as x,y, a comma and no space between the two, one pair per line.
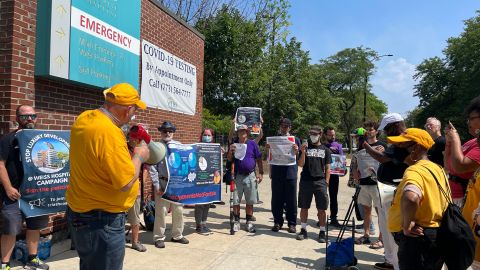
246,178
335,148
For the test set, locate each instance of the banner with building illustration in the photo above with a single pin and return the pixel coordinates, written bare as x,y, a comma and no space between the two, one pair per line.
195,173
45,160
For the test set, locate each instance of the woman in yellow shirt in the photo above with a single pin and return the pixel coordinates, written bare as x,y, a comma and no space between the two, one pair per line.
418,206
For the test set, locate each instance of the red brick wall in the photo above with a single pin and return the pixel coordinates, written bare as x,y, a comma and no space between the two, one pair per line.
57,103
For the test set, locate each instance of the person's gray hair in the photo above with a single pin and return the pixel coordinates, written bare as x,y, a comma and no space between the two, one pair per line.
434,121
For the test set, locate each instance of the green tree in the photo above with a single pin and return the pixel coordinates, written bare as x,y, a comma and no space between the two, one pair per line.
446,85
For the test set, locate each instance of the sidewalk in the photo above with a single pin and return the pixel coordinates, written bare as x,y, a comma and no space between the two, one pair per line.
263,250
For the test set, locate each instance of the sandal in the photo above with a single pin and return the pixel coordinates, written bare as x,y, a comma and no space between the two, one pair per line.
376,245
363,240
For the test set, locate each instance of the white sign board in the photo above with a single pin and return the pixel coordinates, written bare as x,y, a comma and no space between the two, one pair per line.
168,82
281,150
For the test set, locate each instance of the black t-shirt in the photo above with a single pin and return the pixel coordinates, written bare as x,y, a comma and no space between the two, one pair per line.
316,159
368,180
10,154
435,153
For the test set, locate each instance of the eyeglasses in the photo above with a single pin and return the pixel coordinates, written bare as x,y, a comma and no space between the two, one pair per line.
314,133
24,117
168,131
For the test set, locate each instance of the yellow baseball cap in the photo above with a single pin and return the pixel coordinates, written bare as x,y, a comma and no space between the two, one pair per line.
416,135
124,94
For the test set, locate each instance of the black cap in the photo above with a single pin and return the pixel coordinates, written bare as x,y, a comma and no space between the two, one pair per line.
285,121
167,125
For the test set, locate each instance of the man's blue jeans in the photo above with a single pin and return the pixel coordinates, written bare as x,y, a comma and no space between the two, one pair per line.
99,238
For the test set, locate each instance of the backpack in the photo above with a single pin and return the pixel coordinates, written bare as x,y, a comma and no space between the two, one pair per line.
149,215
454,237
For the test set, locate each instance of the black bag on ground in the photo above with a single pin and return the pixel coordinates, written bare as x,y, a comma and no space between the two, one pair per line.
149,215
454,238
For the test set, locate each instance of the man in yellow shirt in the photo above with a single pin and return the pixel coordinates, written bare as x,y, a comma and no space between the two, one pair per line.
418,206
103,179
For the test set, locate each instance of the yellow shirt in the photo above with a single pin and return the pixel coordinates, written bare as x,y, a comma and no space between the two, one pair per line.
471,204
430,211
100,165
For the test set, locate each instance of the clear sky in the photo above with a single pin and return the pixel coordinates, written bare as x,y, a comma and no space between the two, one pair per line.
410,30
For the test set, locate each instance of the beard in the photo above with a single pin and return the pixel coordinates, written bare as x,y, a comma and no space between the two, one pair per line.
27,126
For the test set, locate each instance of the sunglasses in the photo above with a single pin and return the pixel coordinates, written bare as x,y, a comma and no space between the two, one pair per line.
24,117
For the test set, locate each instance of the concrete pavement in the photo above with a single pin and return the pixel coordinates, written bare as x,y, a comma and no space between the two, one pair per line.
220,250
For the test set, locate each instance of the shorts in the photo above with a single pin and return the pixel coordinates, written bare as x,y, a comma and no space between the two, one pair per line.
133,214
369,193
319,188
13,218
246,184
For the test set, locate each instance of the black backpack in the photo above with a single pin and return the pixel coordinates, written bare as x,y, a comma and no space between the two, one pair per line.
454,237
149,215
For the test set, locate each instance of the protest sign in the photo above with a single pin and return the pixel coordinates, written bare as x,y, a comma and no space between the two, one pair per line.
281,150
195,172
249,116
46,166
366,163
338,165
240,150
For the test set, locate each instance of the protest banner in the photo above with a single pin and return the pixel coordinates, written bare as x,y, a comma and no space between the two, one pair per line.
46,166
338,165
249,116
195,173
281,151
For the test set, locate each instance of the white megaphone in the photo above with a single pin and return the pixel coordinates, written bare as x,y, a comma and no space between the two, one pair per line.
157,149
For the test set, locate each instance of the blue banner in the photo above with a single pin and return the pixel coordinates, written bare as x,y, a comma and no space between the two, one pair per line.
46,166
195,172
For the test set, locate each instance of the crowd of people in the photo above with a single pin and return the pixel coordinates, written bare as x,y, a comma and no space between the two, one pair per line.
409,180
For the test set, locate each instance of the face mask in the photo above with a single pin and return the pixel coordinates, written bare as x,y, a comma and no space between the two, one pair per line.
207,139
314,138
400,154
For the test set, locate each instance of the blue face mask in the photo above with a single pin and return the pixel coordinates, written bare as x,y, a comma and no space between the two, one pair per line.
206,139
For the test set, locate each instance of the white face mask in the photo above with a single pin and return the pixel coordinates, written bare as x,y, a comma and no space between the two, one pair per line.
314,138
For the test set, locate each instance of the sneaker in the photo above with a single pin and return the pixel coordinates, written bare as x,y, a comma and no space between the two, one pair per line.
276,227
203,230
292,229
251,227
236,226
36,264
302,235
334,223
139,247
383,266
321,237
182,240
159,244
5,267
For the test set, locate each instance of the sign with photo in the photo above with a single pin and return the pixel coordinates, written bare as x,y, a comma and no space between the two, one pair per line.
46,166
195,173
281,150
250,116
338,165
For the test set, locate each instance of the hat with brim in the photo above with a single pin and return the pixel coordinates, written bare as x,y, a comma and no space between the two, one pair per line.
389,119
416,135
242,127
124,94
